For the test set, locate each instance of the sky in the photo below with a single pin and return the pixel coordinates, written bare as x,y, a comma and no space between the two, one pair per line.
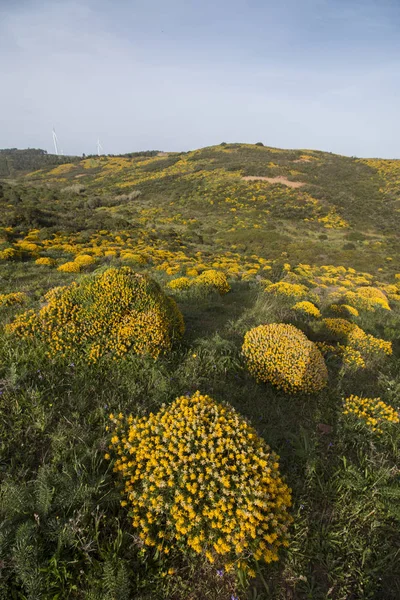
182,74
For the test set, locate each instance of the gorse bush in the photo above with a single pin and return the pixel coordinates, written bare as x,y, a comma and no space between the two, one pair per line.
111,314
367,299
199,478
344,310
282,355
14,298
180,283
292,291
213,279
307,308
70,267
356,345
372,412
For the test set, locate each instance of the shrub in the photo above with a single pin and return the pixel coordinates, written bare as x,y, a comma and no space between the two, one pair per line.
9,254
371,411
14,298
199,478
344,310
296,291
307,308
282,355
70,267
338,329
367,298
84,260
46,261
134,257
359,346
111,314
213,279
181,283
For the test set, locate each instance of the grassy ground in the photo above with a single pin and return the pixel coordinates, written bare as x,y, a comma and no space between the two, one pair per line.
63,532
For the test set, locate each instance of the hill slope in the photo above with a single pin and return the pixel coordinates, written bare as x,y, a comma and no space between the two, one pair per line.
315,206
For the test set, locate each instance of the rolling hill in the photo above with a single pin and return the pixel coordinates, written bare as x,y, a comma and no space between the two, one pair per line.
254,200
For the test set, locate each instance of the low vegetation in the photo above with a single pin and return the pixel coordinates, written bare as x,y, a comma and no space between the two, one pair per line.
199,377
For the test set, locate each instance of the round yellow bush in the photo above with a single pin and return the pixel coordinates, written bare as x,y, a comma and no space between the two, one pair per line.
199,478
46,261
339,329
213,279
84,260
282,355
70,267
110,314
292,291
307,308
352,335
181,283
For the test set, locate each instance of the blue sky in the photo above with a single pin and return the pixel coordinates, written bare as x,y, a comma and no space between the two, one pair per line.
181,74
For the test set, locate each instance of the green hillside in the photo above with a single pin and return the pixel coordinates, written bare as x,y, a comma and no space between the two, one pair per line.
315,206
266,279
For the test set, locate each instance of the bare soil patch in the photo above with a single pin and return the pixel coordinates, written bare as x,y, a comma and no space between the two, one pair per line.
279,179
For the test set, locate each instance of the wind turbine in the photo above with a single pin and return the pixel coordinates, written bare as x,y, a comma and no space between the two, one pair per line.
100,149
55,141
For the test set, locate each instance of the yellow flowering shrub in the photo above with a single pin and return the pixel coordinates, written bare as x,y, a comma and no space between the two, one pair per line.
84,260
339,329
213,279
307,308
111,314
282,355
356,346
344,310
367,344
46,261
199,478
134,257
368,299
28,247
373,412
14,298
9,254
296,291
352,358
181,283
70,267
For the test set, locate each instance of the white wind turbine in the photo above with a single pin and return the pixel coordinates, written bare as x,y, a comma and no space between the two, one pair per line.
56,143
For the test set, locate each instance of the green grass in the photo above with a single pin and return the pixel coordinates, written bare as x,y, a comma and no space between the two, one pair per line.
63,532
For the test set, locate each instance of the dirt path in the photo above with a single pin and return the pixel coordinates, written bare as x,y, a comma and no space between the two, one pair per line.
279,179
